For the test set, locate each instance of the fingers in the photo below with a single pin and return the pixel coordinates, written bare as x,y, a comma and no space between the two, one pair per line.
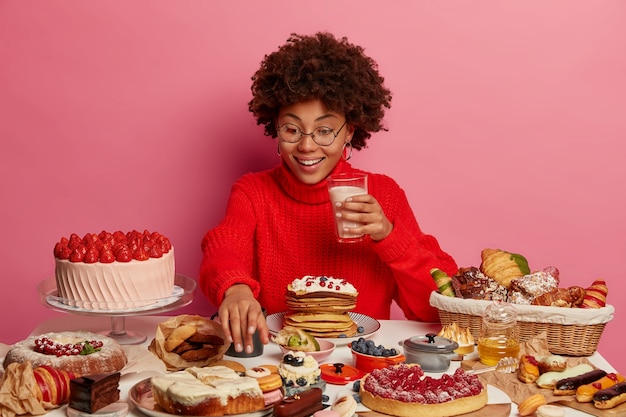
240,320
366,210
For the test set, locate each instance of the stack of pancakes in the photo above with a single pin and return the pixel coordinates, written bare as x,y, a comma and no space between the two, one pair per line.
320,306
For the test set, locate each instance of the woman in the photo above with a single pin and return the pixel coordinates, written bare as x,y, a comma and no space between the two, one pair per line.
321,97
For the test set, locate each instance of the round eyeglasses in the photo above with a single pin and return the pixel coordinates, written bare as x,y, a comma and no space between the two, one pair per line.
323,135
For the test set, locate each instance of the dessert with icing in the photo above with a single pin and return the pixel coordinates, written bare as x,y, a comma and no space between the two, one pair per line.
113,271
81,353
319,305
403,390
298,371
208,391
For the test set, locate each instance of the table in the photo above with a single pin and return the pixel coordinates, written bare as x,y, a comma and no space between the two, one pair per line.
390,333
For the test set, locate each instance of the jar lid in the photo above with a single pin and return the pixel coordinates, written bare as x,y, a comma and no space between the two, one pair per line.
500,312
339,373
431,343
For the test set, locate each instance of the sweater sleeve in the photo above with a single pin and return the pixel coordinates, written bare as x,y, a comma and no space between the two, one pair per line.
228,249
411,254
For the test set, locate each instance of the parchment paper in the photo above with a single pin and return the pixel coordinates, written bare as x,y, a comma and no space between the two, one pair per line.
518,390
174,362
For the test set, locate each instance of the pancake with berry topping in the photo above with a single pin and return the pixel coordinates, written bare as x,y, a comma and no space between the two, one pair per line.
320,306
81,353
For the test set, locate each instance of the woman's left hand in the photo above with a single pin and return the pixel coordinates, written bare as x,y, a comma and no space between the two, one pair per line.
366,210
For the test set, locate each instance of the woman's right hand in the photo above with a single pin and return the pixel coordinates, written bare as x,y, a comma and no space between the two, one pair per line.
241,315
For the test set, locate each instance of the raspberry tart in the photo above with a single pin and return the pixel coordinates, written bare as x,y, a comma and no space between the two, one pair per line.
114,271
403,390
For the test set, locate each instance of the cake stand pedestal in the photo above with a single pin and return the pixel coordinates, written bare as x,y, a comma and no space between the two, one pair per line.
182,295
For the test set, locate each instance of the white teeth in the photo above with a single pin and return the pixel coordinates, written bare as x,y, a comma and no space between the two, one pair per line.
309,162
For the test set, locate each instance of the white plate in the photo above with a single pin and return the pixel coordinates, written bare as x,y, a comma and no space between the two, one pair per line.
141,395
369,324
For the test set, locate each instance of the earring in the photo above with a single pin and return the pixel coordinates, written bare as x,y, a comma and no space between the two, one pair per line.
347,144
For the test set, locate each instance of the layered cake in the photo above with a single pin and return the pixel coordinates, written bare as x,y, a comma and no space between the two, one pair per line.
320,306
81,353
93,392
112,271
209,391
403,390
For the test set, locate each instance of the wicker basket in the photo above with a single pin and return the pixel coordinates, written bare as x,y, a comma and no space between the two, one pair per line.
570,331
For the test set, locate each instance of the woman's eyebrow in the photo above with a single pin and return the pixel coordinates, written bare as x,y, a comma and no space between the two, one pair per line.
323,117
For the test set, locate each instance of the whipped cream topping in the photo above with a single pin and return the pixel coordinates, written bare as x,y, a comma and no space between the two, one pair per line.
312,283
309,370
194,385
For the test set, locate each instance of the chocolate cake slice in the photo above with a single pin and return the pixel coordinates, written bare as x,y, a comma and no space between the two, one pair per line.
93,392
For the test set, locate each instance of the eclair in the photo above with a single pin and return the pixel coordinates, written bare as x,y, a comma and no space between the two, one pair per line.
584,393
528,370
549,379
568,386
610,397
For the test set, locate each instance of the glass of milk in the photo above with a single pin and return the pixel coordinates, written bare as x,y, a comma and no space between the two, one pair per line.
340,187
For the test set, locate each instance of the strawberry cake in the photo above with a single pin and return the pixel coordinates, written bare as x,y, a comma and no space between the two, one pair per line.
403,390
113,271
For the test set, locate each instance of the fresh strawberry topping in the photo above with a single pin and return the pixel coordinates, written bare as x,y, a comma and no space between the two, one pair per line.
109,247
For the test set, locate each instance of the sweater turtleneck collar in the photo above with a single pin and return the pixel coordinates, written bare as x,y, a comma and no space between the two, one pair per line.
307,193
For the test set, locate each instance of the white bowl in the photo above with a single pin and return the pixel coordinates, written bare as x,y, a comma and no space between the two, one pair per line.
326,349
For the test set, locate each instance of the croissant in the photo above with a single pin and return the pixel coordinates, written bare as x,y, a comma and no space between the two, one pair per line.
559,297
503,266
595,295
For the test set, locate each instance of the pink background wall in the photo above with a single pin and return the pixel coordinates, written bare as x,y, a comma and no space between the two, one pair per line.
507,127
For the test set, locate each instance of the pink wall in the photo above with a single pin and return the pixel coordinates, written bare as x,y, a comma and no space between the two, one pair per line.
507,127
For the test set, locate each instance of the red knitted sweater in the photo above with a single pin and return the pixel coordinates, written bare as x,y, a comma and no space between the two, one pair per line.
277,228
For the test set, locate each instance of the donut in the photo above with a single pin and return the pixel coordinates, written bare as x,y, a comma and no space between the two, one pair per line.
42,350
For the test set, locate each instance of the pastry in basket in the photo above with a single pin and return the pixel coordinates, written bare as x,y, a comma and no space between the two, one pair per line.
561,297
443,282
471,283
524,290
503,266
595,295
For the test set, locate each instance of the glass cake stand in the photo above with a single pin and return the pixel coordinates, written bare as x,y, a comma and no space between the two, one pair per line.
181,296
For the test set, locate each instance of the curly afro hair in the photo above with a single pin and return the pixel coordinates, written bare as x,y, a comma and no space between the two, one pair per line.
321,67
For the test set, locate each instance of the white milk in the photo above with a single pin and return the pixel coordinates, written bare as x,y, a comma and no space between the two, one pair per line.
341,193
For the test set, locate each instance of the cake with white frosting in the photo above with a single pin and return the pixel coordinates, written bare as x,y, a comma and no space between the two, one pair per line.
208,391
113,271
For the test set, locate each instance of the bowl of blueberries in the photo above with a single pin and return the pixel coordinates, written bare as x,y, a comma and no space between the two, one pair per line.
368,355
